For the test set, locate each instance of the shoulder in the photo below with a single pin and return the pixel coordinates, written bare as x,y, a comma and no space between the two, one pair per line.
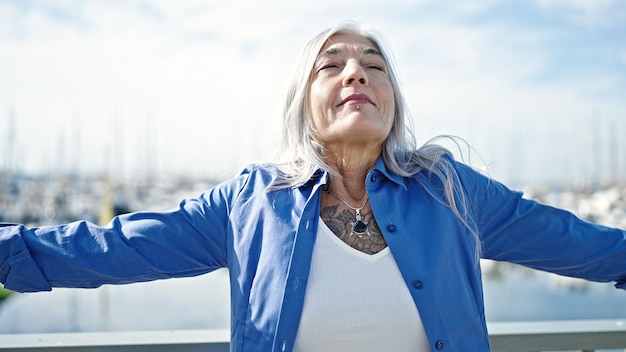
255,178
435,159
262,173
482,189
249,179
443,172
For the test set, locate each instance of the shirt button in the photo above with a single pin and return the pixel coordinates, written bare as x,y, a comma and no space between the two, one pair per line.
374,178
439,345
418,284
391,228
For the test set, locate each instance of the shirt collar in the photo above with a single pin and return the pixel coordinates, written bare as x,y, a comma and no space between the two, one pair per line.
320,177
381,168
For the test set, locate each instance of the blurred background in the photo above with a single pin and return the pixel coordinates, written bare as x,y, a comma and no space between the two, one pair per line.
115,106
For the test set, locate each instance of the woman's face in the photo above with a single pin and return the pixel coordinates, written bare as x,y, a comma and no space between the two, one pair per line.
350,96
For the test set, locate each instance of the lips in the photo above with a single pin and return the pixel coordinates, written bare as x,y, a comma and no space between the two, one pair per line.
356,99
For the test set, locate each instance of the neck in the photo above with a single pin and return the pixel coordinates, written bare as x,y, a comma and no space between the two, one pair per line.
353,170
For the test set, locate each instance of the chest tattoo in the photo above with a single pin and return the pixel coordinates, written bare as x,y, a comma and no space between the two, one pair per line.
340,221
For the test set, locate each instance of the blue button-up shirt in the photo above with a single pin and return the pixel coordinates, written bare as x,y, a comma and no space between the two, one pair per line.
266,237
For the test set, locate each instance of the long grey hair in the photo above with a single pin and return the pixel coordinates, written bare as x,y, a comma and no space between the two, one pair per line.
303,155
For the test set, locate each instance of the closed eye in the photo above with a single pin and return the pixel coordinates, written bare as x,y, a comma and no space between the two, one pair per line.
327,66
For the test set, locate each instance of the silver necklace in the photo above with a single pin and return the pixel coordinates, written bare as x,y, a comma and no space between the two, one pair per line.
359,227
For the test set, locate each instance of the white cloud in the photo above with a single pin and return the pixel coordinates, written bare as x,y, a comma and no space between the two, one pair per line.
597,13
208,77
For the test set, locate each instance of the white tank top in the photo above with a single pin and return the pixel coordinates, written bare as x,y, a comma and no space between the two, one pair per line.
356,302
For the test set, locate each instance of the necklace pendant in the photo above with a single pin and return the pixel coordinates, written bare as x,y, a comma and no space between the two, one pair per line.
360,228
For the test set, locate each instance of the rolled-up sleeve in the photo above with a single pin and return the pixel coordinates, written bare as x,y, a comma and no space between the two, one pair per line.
18,270
186,241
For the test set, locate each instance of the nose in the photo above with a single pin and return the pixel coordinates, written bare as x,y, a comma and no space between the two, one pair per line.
354,72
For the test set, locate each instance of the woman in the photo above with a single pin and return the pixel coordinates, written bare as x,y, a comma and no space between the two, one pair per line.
357,241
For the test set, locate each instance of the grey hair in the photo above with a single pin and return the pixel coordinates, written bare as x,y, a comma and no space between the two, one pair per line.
302,154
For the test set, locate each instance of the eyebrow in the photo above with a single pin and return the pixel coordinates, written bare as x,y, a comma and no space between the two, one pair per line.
337,51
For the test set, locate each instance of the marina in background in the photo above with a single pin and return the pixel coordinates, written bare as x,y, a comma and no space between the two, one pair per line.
512,293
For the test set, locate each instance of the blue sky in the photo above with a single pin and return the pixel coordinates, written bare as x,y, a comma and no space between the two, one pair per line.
537,87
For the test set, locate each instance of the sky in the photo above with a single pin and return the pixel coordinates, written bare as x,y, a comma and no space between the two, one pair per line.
536,87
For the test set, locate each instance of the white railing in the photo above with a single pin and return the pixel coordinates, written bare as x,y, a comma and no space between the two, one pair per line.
132,341
568,335
580,335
